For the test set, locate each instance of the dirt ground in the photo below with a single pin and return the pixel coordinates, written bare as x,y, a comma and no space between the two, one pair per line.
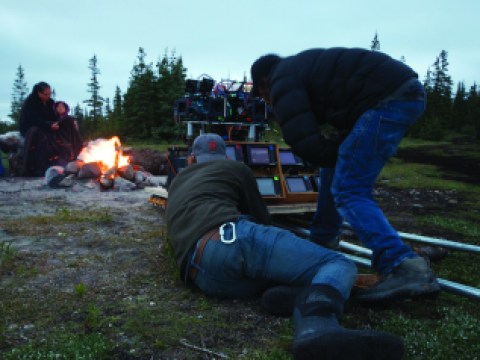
119,253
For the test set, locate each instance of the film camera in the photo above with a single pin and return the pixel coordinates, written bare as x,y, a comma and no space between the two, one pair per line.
225,102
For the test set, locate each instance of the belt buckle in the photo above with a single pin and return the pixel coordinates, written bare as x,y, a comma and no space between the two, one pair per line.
221,232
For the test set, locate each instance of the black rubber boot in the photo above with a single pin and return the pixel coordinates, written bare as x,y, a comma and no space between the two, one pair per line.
280,300
318,334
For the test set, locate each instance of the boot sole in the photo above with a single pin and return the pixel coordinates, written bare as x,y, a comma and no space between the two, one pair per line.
424,290
354,345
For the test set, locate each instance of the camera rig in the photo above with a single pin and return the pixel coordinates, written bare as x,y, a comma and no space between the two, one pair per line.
227,106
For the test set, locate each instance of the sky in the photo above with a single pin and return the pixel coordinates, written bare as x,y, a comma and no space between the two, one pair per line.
53,40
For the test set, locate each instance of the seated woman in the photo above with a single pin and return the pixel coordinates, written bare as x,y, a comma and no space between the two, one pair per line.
50,138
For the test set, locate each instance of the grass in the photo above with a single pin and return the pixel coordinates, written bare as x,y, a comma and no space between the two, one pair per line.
467,226
403,175
64,346
145,311
7,253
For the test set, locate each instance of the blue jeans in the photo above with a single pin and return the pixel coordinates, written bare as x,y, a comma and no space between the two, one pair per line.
326,223
264,256
347,190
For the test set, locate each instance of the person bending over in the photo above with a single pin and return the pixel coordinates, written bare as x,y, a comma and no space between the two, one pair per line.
346,110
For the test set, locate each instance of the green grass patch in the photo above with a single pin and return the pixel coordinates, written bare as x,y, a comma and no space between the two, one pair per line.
64,346
412,175
412,143
7,253
144,144
450,333
64,215
469,229
61,218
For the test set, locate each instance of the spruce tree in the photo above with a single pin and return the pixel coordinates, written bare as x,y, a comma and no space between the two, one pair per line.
375,46
473,110
459,109
437,119
18,95
78,115
170,86
96,101
116,117
140,100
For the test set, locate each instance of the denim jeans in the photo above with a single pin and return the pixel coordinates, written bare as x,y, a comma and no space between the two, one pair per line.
347,190
326,223
264,256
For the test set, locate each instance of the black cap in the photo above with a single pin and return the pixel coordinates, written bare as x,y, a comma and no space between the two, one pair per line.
261,68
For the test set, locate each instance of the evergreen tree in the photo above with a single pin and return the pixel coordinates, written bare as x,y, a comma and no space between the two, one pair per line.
437,119
375,43
473,110
108,108
78,115
116,117
140,100
18,95
171,86
459,109
96,101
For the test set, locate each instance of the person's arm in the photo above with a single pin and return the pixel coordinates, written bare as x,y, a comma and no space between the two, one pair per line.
300,127
35,114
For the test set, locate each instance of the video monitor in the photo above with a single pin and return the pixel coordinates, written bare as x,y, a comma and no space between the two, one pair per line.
234,152
287,157
230,150
268,186
261,155
297,184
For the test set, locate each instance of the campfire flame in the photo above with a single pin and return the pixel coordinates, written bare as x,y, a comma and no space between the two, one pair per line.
108,152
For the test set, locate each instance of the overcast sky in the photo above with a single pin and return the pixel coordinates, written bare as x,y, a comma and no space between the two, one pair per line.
54,40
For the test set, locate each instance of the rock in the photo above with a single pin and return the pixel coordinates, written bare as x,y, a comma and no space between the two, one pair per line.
127,172
90,171
122,184
54,175
153,161
73,167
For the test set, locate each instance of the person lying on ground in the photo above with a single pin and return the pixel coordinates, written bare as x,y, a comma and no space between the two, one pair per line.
220,232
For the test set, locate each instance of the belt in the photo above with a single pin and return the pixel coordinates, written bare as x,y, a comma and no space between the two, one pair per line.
214,235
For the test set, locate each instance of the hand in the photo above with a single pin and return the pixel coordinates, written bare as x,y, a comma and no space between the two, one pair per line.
55,126
191,159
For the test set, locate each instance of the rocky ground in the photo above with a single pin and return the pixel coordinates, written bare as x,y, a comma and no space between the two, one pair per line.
84,261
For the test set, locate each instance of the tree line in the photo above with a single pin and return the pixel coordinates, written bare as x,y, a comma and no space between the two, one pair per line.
145,110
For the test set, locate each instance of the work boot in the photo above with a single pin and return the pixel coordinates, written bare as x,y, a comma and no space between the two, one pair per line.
280,300
413,277
319,335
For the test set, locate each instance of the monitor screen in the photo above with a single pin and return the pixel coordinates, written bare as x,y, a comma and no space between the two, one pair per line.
266,186
296,184
230,150
287,158
259,155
